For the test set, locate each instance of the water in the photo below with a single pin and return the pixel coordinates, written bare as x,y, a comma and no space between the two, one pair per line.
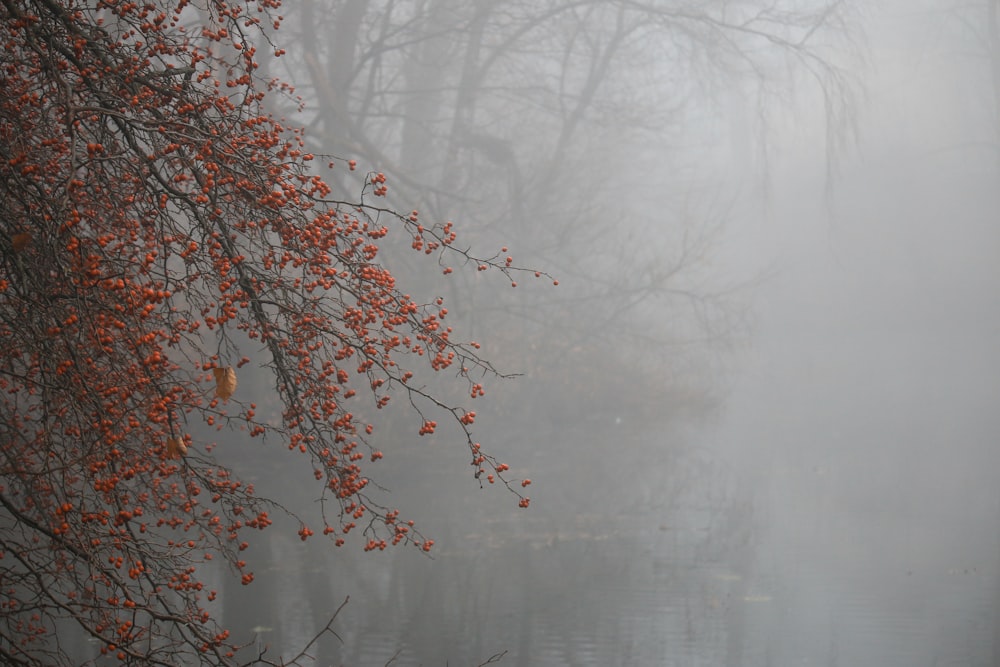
775,563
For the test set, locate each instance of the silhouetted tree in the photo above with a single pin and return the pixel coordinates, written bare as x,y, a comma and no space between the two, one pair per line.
543,124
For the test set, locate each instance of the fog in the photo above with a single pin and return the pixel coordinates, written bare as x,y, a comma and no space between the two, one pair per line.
866,415
760,410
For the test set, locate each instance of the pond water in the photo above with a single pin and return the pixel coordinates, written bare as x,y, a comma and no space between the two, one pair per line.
821,553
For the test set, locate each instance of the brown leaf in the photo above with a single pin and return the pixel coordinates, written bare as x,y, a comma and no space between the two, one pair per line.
176,448
20,241
225,382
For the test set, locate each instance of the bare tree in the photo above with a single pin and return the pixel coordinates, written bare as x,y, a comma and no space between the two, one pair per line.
544,124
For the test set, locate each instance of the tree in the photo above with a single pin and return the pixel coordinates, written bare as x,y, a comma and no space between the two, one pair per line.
162,234
546,123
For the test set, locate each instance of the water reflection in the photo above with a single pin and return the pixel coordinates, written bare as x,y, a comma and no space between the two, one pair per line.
662,582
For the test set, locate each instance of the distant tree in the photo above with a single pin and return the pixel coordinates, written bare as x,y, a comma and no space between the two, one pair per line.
579,128
978,28
159,232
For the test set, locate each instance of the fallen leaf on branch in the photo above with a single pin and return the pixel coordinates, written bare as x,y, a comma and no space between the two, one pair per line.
176,448
225,382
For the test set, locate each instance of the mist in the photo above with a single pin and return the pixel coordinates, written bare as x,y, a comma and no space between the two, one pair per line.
759,412
866,414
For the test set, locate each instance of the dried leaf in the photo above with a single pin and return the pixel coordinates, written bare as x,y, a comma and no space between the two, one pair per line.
20,241
176,448
225,382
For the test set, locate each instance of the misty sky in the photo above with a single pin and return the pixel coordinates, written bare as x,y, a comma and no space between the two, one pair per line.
867,408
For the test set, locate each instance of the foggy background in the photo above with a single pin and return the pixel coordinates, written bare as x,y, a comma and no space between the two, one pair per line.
759,411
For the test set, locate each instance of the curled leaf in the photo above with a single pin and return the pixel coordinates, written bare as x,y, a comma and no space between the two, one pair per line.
176,448
225,382
20,241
